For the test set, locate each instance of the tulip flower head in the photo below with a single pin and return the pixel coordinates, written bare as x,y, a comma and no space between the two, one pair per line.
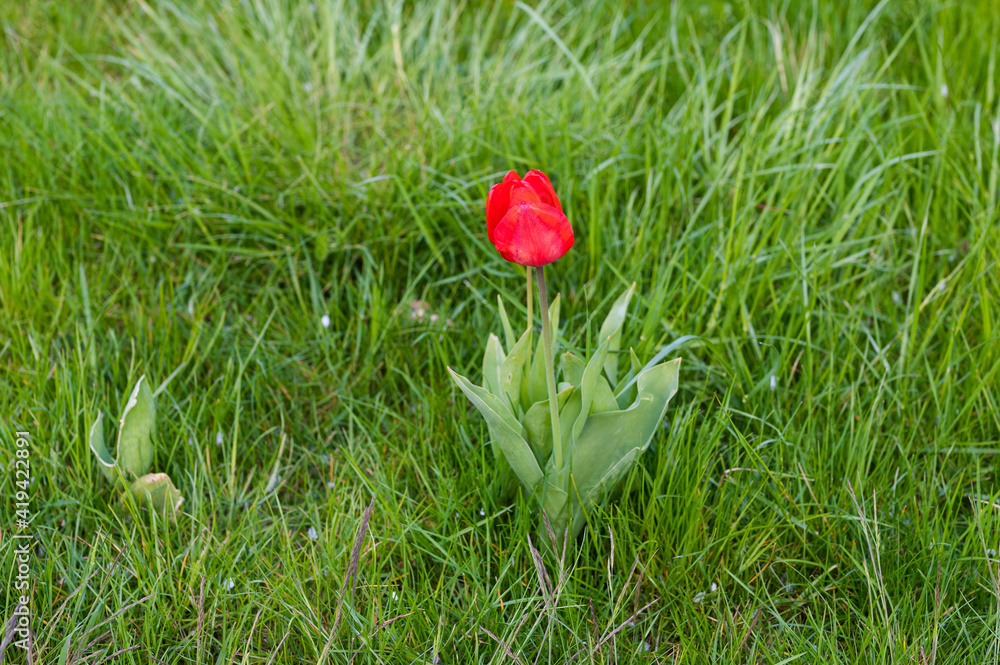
525,221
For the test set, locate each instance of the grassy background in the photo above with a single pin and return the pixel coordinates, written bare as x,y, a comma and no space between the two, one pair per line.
811,187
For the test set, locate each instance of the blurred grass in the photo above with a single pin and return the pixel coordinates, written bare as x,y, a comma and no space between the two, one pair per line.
811,187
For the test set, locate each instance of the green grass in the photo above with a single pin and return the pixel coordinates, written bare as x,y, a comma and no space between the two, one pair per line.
191,186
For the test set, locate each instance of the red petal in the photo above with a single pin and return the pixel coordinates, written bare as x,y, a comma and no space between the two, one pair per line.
511,177
497,203
533,234
522,193
540,183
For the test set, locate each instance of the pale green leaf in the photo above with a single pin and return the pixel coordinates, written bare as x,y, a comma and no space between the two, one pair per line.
492,361
556,504
660,355
627,395
611,440
612,327
100,450
568,414
573,367
604,397
157,491
505,431
512,371
588,384
137,428
508,331
590,499
537,424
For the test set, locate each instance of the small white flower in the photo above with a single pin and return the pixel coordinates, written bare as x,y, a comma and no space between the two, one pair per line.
218,438
714,587
190,440
325,320
774,382
330,484
394,596
312,533
896,298
698,597
229,583
482,513
944,90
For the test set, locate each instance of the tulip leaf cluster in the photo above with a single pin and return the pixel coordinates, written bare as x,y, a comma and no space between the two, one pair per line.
135,448
607,419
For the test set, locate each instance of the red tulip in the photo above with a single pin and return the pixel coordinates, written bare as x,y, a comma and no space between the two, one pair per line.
525,221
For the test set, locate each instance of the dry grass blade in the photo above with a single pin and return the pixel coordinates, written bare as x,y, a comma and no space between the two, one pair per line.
504,645
544,582
350,576
9,629
617,630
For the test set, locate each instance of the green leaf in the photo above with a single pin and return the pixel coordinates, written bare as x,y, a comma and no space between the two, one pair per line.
508,331
505,430
572,368
604,397
588,385
612,440
157,491
492,360
537,390
610,340
569,412
556,504
138,426
512,370
660,355
104,459
627,395
537,424
612,327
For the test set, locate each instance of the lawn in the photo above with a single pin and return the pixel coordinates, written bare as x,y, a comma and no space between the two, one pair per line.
275,211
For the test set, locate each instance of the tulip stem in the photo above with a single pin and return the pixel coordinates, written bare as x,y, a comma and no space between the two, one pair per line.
531,322
550,373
